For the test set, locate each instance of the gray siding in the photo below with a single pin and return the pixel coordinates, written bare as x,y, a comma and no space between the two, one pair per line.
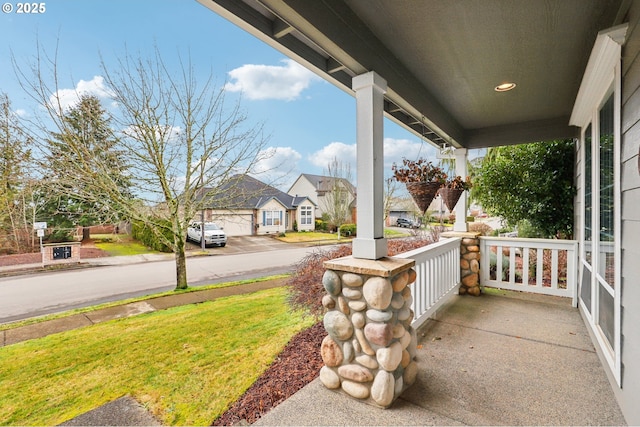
630,187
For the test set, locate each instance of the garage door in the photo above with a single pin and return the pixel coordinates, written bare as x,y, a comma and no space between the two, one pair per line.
234,224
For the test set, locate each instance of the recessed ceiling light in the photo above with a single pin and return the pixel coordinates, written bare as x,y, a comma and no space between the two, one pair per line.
504,87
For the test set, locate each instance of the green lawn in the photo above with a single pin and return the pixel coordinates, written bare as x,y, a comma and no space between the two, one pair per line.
324,237
119,244
186,364
312,236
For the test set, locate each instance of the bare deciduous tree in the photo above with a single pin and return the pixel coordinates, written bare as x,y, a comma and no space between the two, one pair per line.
177,137
339,193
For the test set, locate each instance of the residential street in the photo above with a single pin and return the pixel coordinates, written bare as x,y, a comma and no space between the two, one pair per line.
34,295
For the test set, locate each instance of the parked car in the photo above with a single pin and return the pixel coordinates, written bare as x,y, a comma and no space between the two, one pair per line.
407,223
213,235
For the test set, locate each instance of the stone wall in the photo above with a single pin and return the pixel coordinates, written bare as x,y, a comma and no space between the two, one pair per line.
370,350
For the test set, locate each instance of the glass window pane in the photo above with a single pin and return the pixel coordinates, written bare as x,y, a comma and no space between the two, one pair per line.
585,287
606,317
588,193
606,266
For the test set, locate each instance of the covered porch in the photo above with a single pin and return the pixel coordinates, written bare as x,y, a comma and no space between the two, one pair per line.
508,358
473,75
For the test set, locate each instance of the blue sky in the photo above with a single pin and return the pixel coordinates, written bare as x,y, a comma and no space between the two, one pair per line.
310,121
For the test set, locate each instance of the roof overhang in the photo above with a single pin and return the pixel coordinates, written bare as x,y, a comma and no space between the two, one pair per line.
442,60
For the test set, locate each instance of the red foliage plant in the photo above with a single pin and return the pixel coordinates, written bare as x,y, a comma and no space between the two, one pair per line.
306,283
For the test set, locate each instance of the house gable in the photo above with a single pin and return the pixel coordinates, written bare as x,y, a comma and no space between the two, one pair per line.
318,188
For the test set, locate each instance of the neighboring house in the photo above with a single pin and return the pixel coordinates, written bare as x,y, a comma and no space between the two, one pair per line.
322,189
406,208
246,206
401,208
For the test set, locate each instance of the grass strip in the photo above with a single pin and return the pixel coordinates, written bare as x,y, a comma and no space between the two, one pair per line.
185,364
33,320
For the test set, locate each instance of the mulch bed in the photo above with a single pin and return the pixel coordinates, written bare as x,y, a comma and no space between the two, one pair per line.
296,366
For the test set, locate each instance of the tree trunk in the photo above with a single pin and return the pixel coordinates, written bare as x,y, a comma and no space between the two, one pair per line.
181,266
86,233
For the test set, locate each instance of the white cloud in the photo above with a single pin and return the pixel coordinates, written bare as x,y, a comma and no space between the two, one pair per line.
394,151
278,166
343,152
21,113
257,82
163,133
70,97
397,149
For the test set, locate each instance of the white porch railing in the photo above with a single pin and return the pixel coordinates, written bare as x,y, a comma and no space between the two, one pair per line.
543,266
438,277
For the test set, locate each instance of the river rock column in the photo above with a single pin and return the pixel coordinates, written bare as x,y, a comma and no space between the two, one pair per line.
370,350
469,261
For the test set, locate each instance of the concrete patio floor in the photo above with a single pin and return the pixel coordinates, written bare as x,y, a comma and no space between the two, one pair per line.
503,358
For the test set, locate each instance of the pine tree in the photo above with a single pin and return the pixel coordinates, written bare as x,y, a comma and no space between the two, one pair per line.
83,157
15,155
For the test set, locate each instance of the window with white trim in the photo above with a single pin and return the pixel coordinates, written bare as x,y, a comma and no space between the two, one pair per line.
597,111
270,218
306,215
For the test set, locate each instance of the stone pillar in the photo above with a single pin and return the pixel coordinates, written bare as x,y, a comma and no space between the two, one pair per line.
60,253
370,351
469,261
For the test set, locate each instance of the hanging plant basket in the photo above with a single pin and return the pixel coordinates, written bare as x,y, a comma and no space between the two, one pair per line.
423,193
450,196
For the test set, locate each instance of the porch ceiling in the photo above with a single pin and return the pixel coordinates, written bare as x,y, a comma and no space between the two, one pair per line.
442,59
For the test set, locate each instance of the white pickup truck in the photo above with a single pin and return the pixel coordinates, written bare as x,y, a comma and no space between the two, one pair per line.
213,235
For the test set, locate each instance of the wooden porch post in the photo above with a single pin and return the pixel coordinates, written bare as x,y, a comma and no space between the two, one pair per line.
370,89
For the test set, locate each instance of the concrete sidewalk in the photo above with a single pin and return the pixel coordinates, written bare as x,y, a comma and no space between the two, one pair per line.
509,359
8,270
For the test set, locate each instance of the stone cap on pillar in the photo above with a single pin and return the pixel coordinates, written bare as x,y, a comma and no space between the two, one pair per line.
463,234
383,267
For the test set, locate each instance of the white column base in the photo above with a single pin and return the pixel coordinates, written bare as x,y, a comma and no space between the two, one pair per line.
369,248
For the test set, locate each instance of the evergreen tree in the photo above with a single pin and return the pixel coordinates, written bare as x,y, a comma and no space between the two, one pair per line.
15,155
82,155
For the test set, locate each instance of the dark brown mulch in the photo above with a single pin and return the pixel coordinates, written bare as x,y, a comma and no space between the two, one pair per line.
297,365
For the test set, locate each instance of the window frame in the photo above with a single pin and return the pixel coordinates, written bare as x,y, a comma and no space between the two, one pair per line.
602,78
273,216
306,213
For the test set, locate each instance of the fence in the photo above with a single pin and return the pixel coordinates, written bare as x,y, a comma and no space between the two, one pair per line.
438,276
543,266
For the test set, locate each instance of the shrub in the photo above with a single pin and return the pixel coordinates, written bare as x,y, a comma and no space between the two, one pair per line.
348,230
525,229
60,235
148,237
321,225
306,283
482,228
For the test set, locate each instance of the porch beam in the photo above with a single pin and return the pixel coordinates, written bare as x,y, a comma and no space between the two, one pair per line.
370,89
521,133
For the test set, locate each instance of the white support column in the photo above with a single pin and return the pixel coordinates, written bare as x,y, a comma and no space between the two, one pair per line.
461,156
370,89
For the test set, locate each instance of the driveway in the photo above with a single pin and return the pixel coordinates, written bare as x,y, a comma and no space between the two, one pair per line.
244,244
